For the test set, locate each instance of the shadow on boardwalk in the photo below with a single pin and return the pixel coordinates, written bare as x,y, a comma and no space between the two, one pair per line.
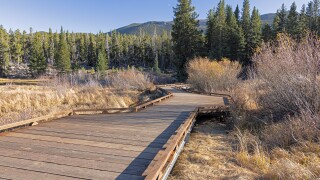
163,138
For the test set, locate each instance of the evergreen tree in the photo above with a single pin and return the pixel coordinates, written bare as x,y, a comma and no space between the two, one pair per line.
275,26
292,25
245,19
82,49
282,14
245,23
237,14
310,14
4,51
211,21
63,62
15,47
156,68
102,63
186,37
92,51
51,48
303,23
235,37
37,61
255,36
219,34
267,33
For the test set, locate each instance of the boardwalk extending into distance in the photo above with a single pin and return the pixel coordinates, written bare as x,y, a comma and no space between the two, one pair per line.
108,146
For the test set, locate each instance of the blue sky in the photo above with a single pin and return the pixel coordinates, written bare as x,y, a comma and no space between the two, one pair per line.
105,15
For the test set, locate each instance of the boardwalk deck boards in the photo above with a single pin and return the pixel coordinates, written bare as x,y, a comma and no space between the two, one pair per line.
104,146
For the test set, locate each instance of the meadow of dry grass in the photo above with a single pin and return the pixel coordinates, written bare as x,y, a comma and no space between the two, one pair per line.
275,118
209,155
20,102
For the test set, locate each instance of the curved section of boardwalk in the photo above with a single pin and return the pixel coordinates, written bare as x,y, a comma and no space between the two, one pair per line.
116,146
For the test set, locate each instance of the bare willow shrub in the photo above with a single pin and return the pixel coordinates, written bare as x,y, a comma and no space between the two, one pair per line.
293,130
211,76
289,73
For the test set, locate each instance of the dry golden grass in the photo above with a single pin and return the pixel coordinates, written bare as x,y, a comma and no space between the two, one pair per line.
209,155
288,149
24,102
81,91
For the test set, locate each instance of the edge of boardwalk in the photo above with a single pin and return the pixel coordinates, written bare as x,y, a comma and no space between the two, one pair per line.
61,114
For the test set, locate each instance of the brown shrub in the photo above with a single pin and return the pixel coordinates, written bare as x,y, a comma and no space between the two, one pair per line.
130,79
212,76
289,74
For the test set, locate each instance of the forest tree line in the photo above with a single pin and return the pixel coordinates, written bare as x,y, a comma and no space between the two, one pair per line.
231,33
68,52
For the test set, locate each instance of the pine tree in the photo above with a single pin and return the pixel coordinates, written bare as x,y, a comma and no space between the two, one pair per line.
303,23
15,47
73,52
310,14
315,19
102,63
235,37
282,14
156,68
245,19
63,62
211,21
237,14
292,25
255,36
275,26
219,32
186,37
82,49
267,33
245,23
37,61
4,51
51,48
92,51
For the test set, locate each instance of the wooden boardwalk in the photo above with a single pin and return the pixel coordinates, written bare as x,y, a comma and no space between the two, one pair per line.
114,146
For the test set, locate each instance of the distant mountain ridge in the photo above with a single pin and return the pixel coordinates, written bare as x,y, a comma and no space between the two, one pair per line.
149,27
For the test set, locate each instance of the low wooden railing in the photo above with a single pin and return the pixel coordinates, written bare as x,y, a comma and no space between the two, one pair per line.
163,160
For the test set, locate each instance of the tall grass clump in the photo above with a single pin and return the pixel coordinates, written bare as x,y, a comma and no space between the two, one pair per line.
212,76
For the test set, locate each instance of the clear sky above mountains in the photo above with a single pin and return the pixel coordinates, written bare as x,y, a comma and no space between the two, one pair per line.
105,15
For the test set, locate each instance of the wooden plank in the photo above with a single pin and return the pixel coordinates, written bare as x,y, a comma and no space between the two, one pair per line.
97,125
85,142
158,139
128,124
23,174
92,138
128,132
82,148
57,169
36,120
137,160
75,162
